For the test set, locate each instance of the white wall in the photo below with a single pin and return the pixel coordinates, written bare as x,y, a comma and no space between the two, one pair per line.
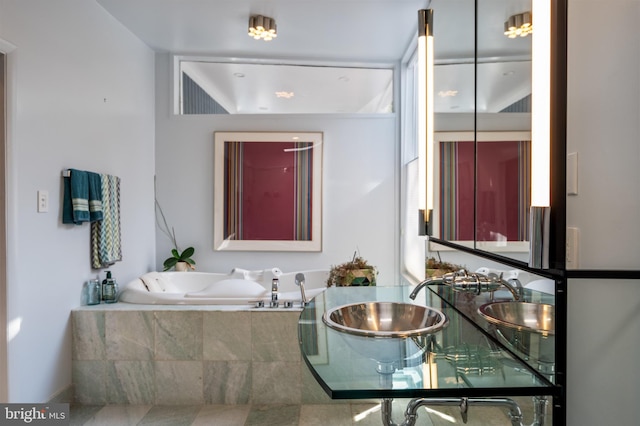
603,342
360,185
604,129
81,95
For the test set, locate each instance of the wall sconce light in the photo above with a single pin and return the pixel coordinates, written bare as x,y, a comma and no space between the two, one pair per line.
262,28
540,137
425,120
518,25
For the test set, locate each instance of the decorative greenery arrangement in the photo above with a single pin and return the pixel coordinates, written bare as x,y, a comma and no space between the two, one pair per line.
176,255
356,272
436,267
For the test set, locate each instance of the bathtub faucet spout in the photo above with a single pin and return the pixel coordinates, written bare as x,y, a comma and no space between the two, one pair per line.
300,283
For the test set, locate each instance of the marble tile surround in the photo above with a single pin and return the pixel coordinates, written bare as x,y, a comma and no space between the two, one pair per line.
189,356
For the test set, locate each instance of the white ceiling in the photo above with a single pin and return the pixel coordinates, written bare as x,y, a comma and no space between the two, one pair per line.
349,32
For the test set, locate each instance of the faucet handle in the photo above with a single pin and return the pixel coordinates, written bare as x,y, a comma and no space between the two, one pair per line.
274,293
450,277
473,282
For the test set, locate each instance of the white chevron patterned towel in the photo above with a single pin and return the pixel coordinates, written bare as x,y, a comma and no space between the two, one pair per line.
105,234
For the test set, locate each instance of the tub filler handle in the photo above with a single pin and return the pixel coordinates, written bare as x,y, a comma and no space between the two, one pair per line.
274,293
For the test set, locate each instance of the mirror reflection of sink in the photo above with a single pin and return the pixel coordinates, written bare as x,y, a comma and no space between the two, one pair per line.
380,330
527,328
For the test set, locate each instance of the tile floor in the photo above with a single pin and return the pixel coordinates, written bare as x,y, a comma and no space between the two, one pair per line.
361,413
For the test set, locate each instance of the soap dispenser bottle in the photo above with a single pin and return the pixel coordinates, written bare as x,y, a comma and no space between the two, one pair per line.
109,289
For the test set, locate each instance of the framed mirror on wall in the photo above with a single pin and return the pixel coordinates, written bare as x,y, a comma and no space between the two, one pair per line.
268,191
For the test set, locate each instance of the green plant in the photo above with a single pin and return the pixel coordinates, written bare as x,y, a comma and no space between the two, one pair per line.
355,272
176,257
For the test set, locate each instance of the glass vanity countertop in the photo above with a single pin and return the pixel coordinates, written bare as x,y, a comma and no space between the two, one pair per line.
458,360
536,350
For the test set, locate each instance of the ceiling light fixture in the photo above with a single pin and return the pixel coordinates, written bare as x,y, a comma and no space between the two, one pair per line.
262,28
286,95
518,25
447,93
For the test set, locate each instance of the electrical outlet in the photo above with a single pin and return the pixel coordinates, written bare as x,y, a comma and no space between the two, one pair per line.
43,201
573,239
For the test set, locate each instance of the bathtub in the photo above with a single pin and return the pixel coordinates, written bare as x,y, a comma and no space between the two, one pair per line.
238,287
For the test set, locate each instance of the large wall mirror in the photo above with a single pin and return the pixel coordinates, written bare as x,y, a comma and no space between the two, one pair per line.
207,86
485,104
482,143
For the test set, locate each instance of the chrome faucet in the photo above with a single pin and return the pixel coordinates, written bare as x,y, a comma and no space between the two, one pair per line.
300,283
473,283
514,286
274,293
423,284
448,279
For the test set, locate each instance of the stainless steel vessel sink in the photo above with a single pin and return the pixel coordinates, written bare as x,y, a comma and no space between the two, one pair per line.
523,316
527,328
384,319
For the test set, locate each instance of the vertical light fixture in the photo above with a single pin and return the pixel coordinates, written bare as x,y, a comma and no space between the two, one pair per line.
540,136
425,120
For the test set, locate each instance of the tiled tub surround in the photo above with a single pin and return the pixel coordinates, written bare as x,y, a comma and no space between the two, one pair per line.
188,355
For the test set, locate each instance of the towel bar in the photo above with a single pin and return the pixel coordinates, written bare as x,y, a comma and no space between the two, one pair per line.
66,173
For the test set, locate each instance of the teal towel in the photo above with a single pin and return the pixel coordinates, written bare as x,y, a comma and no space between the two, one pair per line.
67,205
95,196
82,197
79,197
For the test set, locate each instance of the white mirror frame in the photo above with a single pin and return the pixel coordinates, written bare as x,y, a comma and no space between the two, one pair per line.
223,244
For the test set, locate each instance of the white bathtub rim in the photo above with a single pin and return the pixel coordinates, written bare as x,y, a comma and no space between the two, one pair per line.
135,292
140,297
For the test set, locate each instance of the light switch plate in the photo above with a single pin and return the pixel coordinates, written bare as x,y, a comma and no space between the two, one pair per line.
573,240
43,201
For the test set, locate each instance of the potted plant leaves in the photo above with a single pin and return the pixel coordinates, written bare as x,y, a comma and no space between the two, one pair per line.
356,272
181,261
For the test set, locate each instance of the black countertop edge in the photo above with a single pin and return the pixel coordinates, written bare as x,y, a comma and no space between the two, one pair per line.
445,393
